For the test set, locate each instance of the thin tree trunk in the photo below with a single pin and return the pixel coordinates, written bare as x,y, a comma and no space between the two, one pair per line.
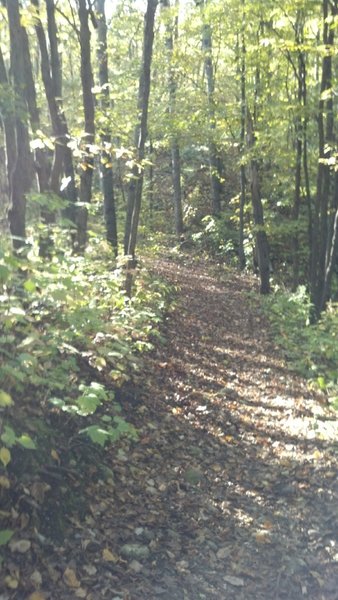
63,159
40,158
136,183
20,167
8,123
262,245
106,167
214,159
87,164
171,32
242,201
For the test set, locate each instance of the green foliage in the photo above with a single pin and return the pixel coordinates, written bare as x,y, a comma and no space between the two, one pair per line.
5,536
217,238
69,337
311,349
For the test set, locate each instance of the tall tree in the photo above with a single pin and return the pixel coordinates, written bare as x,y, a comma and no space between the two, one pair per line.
18,151
324,232
87,163
63,158
171,35
214,158
136,181
106,166
40,156
261,245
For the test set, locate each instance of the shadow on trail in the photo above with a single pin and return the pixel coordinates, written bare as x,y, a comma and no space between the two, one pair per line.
228,480
228,492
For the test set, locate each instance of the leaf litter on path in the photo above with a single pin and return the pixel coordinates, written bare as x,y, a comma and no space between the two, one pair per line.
228,493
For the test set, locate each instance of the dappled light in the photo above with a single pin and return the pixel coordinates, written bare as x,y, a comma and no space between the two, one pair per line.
168,300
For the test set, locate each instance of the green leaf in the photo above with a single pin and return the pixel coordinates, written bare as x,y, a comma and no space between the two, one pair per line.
5,399
96,434
29,285
8,436
5,536
88,404
4,273
26,441
58,402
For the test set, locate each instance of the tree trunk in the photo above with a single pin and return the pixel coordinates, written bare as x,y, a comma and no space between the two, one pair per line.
87,163
214,159
63,159
171,32
40,158
242,201
324,237
262,245
106,167
20,162
8,124
136,183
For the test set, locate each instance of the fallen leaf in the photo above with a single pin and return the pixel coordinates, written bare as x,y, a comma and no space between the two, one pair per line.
37,596
36,578
55,456
263,537
38,490
70,578
81,593
5,456
4,482
90,569
235,581
135,566
11,582
223,553
21,546
109,556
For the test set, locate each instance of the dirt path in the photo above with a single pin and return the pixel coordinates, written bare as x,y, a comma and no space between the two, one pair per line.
228,494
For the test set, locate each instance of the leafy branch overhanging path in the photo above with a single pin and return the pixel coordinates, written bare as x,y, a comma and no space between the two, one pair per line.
228,494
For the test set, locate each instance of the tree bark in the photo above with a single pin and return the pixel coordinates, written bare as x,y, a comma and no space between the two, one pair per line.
171,33
242,200
87,163
63,159
324,237
136,182
40,158
262,245
106,167
20,161
214,159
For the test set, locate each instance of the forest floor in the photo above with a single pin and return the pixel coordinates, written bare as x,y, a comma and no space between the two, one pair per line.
231,491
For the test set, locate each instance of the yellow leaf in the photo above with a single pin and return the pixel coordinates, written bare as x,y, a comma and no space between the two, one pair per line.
55,456
5,456
263,537
21,546
70,578
37,596
4,482
11,582
109,556
5,399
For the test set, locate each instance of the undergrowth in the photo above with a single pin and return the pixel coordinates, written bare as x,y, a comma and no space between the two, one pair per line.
311,349
70,338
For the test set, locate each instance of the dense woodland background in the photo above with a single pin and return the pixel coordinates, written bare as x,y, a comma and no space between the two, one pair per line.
232,134
204,126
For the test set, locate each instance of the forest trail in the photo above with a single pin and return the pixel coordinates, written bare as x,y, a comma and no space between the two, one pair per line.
228,494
